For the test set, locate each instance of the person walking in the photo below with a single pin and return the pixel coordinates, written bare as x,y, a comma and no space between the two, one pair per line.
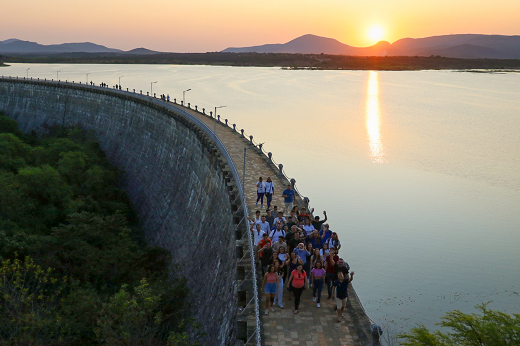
318,277
260,191
270,285
340,293
269,191
288,194
279,269
298,281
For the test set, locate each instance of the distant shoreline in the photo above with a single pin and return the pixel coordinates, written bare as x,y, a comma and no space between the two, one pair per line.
283,60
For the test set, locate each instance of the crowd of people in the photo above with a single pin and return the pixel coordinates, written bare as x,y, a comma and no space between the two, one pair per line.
296,251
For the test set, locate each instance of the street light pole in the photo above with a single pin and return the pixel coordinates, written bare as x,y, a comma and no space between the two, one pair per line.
151,88
87,77
183,97
28,72
215,120
120,81
57,75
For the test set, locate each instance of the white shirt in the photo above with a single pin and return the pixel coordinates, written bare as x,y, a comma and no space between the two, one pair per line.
269,187
308,229
260,186
256,220
257,236
333,243
275,234
265,226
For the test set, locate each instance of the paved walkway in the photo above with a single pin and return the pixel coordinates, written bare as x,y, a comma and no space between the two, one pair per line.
312,325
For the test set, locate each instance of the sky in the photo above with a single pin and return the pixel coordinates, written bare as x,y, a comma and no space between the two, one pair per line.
210,25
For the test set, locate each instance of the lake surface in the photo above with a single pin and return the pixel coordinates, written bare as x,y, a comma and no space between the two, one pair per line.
419,171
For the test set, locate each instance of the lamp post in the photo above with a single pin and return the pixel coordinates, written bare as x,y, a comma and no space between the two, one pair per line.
215,115
87,77
120,80
183,97
28,72
244,168
58,75
151,88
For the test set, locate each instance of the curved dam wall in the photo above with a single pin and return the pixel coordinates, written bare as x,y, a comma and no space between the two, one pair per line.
173,175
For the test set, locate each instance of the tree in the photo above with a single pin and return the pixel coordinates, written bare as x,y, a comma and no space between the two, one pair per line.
488,328
29,299
144,317
14,153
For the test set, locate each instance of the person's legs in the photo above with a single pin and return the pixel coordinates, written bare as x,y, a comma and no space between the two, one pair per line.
258,197
343,305
338,307
280,293
269,198
307,268
318,283
261,195
297,296
328,280
267,299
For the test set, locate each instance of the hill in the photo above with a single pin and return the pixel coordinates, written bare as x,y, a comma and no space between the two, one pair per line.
470,46
312,44
19,47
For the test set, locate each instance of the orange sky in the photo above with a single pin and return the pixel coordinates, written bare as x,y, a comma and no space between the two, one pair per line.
209,25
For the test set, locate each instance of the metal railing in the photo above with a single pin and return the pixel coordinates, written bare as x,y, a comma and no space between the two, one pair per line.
276,167
224,152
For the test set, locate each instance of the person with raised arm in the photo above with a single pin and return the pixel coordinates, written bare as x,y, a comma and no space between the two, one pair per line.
340,293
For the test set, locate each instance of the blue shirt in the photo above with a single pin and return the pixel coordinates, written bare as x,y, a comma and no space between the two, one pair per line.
341,288
303,254
328,234
289,194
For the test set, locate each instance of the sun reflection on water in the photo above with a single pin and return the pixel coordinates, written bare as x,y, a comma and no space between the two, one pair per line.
373,119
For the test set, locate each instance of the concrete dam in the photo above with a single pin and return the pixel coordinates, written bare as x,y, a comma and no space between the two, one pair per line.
185,187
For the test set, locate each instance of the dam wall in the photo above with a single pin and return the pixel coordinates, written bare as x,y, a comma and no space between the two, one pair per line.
175,176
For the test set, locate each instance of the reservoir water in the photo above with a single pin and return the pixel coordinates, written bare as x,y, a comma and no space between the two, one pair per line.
419,172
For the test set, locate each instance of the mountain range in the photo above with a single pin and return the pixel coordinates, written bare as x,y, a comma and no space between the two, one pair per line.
15,46
471,46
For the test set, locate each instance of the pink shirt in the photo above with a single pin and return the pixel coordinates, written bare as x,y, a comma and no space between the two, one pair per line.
271,278
318,273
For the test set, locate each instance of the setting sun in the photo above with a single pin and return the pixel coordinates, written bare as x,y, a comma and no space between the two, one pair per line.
375,33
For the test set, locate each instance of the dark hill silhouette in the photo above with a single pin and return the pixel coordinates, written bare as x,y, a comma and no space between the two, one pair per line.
460,46
456,46
312,44
19,46
141,51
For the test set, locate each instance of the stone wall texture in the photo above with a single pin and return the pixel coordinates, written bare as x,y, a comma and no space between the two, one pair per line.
172,174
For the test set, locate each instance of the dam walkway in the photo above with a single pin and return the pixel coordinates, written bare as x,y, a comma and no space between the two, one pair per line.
312,325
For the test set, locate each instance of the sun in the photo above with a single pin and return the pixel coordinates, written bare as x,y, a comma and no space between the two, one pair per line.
375,33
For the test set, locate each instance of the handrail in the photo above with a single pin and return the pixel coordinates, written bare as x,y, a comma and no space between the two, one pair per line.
219,145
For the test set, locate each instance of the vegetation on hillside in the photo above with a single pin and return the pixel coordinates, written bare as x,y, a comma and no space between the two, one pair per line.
75,267
294,61
487,328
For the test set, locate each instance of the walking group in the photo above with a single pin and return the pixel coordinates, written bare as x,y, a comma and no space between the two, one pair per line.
297,251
